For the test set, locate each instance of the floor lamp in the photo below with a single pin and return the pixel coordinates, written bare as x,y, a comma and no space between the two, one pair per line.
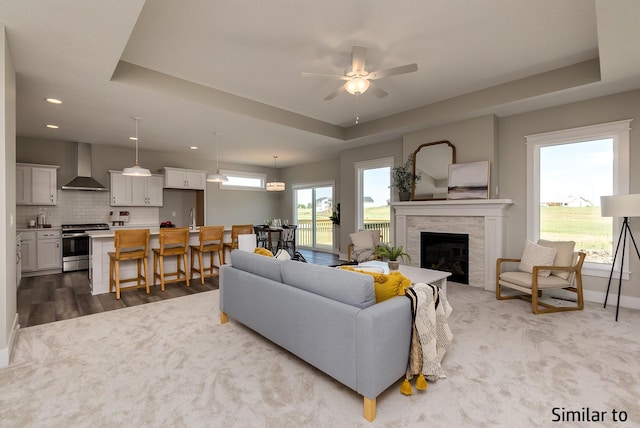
624,206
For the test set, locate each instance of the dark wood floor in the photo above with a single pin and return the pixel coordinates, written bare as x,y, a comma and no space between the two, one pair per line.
49,298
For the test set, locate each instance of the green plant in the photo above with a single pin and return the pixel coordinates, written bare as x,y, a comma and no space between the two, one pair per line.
335,215
392,252
402,176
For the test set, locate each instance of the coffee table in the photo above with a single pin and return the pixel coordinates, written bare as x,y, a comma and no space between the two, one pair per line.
415,274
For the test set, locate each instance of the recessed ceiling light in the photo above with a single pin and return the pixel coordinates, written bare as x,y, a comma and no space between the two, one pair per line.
53,100
52,126
194,147
133,138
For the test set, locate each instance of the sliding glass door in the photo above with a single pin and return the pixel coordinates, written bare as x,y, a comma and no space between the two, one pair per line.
314,205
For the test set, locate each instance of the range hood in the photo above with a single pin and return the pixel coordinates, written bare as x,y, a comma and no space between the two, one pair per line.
83,181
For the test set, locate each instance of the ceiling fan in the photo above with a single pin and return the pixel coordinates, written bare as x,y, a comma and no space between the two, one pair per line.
358,80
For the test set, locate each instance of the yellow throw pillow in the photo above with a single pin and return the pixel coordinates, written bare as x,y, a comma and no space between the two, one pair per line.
386,285
263,252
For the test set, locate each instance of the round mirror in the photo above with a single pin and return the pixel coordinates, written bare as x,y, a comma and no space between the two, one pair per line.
431,162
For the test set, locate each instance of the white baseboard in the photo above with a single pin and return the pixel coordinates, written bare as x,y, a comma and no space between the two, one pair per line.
625,301
5,353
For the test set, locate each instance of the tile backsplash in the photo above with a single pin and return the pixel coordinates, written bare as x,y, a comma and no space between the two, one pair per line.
77,206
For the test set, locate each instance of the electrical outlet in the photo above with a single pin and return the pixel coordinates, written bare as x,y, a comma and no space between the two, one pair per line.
173,213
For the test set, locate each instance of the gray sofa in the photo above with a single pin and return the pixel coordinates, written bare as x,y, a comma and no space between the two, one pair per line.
327,317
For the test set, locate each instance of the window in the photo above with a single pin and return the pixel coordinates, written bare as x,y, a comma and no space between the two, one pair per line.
374,195
242,180
314,205
567,172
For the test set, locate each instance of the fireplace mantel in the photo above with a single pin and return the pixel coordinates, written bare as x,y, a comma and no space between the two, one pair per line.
487,215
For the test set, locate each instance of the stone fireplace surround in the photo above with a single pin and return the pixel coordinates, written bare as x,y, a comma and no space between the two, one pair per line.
482,219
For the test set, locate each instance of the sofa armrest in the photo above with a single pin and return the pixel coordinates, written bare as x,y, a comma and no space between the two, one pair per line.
383,343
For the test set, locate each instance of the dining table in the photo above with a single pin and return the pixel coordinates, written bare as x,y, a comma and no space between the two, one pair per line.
273,233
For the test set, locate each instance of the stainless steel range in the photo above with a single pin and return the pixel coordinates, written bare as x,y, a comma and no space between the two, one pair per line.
75,245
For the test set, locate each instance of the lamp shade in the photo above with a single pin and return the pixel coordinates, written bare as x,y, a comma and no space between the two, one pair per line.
136,171
217,178
275,186
620,205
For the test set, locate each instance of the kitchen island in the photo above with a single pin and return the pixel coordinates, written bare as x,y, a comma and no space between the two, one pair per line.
102,242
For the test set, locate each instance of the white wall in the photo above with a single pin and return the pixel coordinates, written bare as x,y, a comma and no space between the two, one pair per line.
8,290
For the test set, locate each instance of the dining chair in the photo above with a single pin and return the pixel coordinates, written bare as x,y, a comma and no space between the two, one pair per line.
236,229
129,244
210,242
174,242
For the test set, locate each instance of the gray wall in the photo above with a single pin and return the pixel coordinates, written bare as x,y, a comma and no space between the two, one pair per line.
475,140
513,163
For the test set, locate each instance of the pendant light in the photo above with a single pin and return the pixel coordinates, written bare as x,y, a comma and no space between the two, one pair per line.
217,177
275,186
136,170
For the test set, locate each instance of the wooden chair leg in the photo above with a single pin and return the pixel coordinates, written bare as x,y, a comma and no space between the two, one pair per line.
223,318
184,272
191,266
146,273
201,267
369,409
111,281
161,259
117,278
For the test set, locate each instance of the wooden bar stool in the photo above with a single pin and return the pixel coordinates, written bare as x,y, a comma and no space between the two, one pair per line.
130,244
210,242
173,242
236,229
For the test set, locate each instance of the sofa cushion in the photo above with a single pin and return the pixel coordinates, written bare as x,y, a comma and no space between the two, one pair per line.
564,255
263,251
537,255
386,285
362,240
268,267
347,287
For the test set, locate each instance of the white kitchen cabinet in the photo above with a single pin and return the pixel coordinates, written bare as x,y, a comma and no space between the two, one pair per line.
147,191
49,250
41,252
179,178
29,252
36,184
120,188
136,191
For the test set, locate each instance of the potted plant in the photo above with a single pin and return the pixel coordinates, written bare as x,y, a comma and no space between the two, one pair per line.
392,253
402,177
335,215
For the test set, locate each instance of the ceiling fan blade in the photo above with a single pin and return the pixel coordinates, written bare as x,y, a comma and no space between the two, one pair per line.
377,90
358,58
325,76
335,93
403,69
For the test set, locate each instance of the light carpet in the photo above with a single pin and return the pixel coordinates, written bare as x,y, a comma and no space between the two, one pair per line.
172,364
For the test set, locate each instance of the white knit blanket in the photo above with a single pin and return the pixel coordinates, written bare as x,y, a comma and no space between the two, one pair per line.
431,334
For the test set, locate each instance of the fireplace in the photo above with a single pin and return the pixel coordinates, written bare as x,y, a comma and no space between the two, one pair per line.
447,252
483,220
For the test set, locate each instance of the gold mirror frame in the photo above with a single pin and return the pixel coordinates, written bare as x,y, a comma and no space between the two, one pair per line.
431,161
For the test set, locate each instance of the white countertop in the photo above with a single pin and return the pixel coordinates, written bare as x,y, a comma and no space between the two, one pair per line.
34,229
154,230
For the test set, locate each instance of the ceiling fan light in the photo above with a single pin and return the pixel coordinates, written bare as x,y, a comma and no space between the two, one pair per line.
357,85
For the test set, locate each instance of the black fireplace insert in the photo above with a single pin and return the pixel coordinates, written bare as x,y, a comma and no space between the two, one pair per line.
447,252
